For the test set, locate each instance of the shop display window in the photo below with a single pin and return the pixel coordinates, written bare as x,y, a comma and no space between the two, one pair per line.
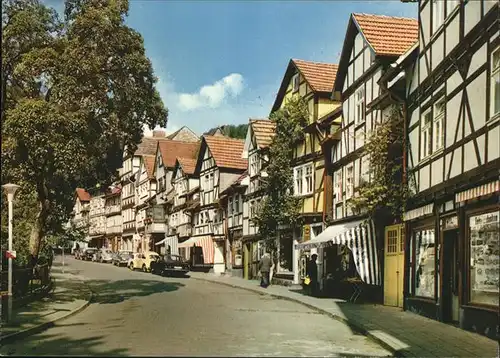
484,258
425,252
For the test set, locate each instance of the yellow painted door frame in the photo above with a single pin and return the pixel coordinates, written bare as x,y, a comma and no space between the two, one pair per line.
394,265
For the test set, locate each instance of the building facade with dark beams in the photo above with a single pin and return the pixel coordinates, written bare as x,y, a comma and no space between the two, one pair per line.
453,116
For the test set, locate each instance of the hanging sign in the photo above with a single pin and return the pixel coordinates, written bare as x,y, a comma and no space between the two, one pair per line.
11,254
307,233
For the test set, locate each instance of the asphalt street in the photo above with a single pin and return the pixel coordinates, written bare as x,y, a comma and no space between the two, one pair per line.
137,313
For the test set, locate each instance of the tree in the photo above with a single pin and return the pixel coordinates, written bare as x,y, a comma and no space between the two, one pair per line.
385,194
236,131
280,209
76,93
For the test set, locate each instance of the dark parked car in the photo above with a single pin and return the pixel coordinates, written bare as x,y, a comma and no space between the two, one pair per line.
121,258
170,265
88,254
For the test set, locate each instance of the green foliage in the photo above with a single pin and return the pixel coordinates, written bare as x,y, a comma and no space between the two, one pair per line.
385,194
76,92
280,209
236,131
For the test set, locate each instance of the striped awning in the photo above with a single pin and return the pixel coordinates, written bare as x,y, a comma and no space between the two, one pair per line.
205,242
418,212
478,191
360,238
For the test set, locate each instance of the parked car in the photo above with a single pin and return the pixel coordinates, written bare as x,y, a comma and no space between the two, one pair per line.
121,258
142,261
88,254
104,255
170,265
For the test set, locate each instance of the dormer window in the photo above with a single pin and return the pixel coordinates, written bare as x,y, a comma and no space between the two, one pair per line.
295,82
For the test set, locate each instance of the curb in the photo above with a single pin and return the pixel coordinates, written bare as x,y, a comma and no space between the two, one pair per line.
354,326
46,325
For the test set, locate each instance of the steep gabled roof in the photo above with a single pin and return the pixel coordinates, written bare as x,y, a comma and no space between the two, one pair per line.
318,75
172,149
185,129
82,194
226,151
188,165
149,163
388,36
263,130
147,146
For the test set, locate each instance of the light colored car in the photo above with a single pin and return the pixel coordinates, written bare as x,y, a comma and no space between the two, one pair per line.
104,255
122,258
142,261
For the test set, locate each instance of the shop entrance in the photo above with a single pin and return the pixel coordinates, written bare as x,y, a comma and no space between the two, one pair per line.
394,265
450,265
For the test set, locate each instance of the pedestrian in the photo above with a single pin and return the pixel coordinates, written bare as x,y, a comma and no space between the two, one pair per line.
265,269
312,272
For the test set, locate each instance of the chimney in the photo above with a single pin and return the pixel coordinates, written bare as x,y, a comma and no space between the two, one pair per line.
158,133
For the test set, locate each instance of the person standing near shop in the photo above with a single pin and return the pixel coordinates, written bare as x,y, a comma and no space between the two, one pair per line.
312,272
265,269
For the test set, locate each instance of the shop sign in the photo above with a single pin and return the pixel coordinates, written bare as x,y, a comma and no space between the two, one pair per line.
307,233
450,222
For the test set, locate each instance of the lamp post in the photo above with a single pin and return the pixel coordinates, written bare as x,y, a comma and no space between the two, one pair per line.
10,190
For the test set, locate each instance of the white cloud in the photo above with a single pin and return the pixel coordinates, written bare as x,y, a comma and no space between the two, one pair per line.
212,96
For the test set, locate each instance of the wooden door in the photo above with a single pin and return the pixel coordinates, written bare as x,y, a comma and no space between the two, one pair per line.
394,265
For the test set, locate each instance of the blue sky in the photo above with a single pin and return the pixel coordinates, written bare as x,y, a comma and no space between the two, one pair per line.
221,62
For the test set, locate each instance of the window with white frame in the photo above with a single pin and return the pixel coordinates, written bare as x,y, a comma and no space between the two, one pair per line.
254,164
425,135
337,188
437,125
295,82
495,83
298,174
360,105
349,181
236,202
437,14
308,179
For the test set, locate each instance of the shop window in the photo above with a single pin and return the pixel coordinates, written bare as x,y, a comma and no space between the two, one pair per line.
424,263
484,258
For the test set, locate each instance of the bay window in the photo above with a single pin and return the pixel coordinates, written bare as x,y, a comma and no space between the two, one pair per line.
484,245
425,253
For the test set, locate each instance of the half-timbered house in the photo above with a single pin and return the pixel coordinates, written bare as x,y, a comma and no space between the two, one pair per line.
80,214
145,187
371,44
97,221
453,218
313,82
112,211
218,164
128,173
232,206
184,182
164,167
256,151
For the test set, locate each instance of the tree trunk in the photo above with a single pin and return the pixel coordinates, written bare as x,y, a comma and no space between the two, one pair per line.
38,229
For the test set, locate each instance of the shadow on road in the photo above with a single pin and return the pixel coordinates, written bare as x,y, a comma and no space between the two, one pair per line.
63,345
106,292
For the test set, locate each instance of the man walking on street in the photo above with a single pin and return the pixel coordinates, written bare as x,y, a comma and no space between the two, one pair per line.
265,268
312,272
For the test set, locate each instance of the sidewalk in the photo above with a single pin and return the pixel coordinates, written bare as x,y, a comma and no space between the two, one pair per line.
404,333
69,296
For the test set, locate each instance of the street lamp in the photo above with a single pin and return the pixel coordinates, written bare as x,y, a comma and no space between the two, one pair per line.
10,190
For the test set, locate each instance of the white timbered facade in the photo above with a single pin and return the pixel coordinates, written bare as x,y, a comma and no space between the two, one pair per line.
453,219
219,163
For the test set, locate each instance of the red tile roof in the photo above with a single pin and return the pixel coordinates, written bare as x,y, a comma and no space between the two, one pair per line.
188,165
388,35
172,149
227,151
320,76
149,163
147,146
82,194
263,130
